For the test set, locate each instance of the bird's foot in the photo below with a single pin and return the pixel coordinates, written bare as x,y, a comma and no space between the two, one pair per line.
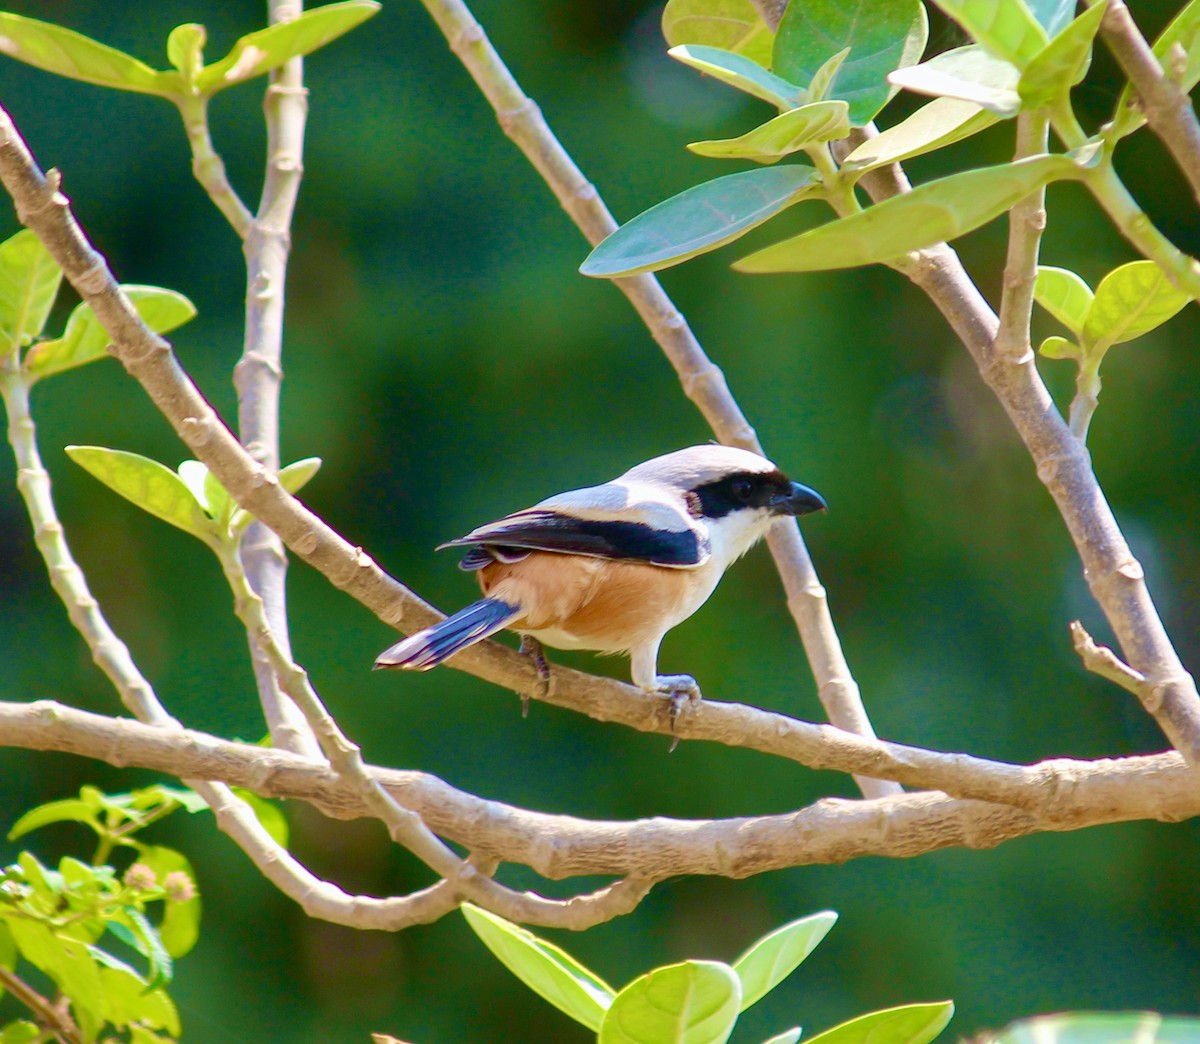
681,691
532,648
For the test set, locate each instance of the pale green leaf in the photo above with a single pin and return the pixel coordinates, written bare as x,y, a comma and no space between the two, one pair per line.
269,815
941,122
776,955
29,281
821,84
157,490
788,132
180,927
732,25
69,964
1052,15
84,340
1131,301
1006,28
699,220
1088,1027
69,810
1184,30
78,57
932,213
257,53
741,72
1064,295
221,505
1063,62
786,1037
296,475
195,476
549,971
695,1002
909,1024
185,49
882,35
20,1032
969,74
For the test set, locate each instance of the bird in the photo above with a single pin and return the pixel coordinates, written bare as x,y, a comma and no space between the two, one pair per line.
612,568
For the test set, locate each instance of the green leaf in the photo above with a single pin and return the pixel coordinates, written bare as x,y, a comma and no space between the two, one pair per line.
882,35
85,339
269,815
699,220
257,53
786,1037
821,84
47,885
146,483
69,810
941,122
1183,29
29,280
787,133
1130,301
1060,348
908,1024
147,941
1064,295
70,965
969,74
1086,1027
695,1002
932,213
159,794
1006,28
180,927
78,57
741,72
776,955
128,1000
185,49
732,25
550,972
296,475
1052,15
1063,62
19,1032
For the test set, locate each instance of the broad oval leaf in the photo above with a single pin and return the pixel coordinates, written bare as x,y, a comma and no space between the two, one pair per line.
932,213
941,122
741,72
695,1002
550,972
1130,301
1184,30
788,132
969,74
71,810
1088,1027
779,953
786,1037
908,1024
260,52
699,220
1063,62
154,488
1064,295
1060,348
85,340
29,281
882,35
1006,28
732,25
78,57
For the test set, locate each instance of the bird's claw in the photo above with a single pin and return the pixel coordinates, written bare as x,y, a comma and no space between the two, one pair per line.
681,691
532,648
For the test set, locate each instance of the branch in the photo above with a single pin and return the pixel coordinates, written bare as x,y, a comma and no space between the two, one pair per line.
702,381
1166,105
1101,660
53,1017
1055,795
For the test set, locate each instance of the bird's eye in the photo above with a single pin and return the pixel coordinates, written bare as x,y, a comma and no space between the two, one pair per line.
742,489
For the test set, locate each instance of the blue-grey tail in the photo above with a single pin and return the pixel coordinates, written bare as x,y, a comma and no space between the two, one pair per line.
432,646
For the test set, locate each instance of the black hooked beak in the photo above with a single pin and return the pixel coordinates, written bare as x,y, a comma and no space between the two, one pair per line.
798,500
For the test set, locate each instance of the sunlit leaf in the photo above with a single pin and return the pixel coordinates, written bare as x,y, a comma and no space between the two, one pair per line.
741,72
29,281
787,133
69,964
269,815
84,340
732,25
694,1002
20,1032
882,35
70,810
941,122
821,84
699,220
78,57
550,972
1184,30
296,475
932,213
1063,62
1088,1027
1064,295
776,955
257,53
180,927
1006,28
157,490
909,1024
185,49
969,74
1130,301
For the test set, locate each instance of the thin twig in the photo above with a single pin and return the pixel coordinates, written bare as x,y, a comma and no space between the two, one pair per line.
702,381
1101,660
54,1017
1167,107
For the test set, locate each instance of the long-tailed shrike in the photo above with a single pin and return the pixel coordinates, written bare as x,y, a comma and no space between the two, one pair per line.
613,568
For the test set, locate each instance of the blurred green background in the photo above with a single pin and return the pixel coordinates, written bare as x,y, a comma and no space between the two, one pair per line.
449,364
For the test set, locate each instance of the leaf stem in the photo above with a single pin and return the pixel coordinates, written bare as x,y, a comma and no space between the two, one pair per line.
1087,395
207,165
